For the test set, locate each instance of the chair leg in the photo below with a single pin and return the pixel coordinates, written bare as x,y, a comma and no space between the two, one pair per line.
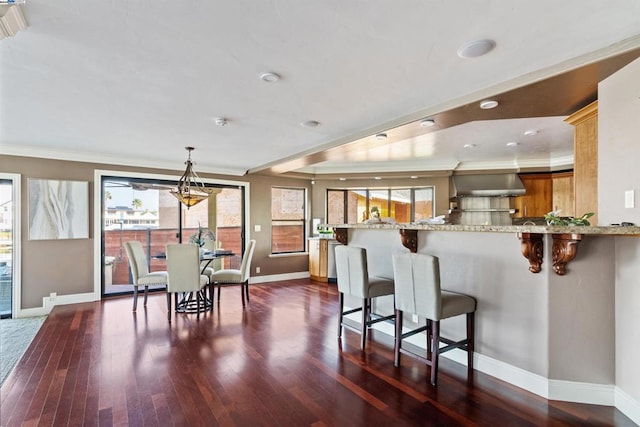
398,339
429,336
198,298
169,306
146,292
365,322
242,294
470,339
341,309
135,297
435,332
246,290
219,286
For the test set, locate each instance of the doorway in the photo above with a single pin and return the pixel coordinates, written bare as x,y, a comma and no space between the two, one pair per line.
143,209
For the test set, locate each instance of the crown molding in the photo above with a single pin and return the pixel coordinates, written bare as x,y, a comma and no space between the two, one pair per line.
12,21
109,159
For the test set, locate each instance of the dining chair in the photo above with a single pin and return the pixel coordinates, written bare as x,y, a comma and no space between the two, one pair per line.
233,276
418,292
353,279
183,268
140,271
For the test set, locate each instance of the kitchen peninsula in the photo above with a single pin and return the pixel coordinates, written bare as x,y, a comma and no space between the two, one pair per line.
550,332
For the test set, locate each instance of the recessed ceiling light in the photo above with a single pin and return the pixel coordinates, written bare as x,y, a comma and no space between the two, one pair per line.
512,144
469,145
220,121
426,123
381,136
530,132
414,176
476,48
377,177
269,77
342,179
310,124
488,104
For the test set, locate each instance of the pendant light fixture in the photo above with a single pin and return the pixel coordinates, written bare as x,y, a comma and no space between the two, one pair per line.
190,190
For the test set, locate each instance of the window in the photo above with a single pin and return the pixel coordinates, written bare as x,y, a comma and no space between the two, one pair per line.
402,204
288,206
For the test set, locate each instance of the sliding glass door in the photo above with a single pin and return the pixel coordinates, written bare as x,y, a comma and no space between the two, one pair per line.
6,248
144,210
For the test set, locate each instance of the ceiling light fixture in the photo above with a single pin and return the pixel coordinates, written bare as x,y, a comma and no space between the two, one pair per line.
427,123
414,176
310,124
269,77
381,136
488,104
469,145
377,177
220,121
476,48
530,132
342,179
512,144
190,189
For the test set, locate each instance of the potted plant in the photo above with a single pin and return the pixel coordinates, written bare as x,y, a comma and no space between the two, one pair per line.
552,218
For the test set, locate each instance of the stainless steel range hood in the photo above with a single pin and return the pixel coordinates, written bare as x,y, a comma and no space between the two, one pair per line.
493,185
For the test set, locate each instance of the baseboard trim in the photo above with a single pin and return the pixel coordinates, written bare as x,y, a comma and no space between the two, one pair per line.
278,277
627,405
48,303
569,391
579,392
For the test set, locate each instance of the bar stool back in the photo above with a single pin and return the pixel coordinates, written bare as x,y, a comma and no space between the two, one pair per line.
417,291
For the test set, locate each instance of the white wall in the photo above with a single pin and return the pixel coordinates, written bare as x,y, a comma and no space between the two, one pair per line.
619,170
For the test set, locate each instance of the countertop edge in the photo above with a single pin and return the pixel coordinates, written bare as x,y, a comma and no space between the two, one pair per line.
540,229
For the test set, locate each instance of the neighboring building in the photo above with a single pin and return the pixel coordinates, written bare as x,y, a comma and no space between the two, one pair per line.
126,218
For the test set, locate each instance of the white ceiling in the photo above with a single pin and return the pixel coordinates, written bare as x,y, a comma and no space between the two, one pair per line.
135,82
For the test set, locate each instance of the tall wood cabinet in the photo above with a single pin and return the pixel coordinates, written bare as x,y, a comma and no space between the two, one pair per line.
585,163
563,199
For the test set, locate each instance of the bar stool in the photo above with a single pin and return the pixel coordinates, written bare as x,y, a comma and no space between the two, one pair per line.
417,291
353,279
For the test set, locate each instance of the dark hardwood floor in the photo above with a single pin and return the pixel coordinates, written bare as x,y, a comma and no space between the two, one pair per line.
276,363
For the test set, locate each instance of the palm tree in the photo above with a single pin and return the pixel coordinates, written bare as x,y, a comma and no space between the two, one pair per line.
136,203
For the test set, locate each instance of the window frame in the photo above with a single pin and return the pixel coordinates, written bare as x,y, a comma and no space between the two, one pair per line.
367,194
303,220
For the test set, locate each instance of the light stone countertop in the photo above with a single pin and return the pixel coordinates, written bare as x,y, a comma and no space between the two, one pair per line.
541,229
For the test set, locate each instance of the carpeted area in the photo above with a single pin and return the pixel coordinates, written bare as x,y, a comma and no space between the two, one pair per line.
15,337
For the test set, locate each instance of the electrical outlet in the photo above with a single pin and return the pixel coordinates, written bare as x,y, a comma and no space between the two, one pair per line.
257,270
414,318
52,296
257,227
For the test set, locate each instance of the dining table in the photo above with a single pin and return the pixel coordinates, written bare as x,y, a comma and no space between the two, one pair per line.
188,302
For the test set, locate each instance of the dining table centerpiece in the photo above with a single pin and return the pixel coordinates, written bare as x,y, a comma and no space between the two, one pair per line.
201,237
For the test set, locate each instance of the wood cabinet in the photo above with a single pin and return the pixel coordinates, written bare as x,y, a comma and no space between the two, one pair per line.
538,199
563,199
318,251
585,161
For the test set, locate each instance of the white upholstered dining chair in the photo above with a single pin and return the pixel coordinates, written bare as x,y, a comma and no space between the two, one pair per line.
140,271
233,276
184,277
